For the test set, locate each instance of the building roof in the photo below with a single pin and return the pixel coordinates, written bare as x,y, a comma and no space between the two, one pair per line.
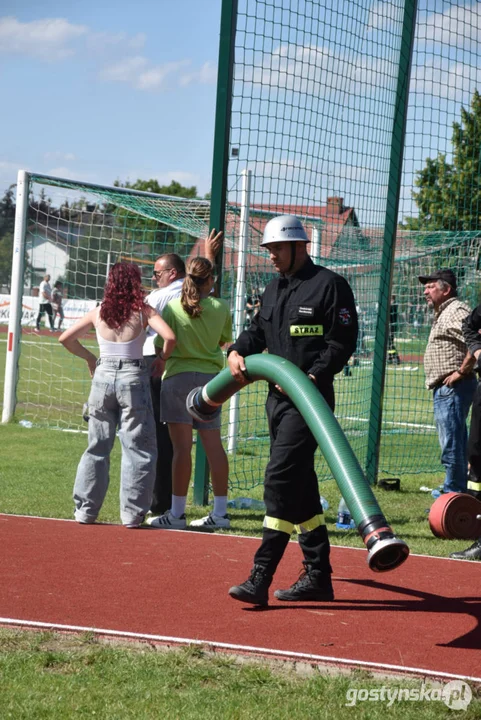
331,219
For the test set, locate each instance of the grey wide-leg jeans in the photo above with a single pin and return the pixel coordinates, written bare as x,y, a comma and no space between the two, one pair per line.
119,398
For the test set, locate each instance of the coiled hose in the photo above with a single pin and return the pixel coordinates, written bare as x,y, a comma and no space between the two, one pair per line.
385,550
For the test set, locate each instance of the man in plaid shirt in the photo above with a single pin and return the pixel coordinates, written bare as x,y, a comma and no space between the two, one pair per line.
448,368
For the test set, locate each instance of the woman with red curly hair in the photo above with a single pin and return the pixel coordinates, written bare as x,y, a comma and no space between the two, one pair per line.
119,397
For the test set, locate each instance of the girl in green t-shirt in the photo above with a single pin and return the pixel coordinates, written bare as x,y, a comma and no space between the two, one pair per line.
202,323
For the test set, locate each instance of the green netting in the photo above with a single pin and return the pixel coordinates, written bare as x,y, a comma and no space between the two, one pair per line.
317,118
183,214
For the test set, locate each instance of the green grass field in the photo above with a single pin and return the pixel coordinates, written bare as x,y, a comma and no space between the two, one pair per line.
58,677
54,385
47,675
38,470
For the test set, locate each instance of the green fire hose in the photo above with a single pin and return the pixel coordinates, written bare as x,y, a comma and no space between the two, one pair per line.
385,550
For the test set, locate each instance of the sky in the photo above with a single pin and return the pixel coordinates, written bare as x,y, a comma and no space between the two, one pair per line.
100,91
104,91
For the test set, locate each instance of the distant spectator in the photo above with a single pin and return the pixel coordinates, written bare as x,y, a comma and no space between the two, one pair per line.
253,303
45,298
57,302
361,349
448,368
392,354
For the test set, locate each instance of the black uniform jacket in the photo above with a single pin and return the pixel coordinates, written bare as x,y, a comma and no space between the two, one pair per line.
308,318
470,326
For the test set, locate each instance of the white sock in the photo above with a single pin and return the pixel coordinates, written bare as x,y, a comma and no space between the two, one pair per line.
178,505
220,505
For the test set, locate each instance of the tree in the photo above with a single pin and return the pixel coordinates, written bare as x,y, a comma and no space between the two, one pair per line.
467,164
7,223
449,195
162,237
175,188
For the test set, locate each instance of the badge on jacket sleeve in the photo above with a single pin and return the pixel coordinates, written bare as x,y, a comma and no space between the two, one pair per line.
345,316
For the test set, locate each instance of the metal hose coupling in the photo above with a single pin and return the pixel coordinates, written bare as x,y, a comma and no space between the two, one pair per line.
385,550
199,407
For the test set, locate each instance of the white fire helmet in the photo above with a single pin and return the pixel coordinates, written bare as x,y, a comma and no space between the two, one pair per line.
284,228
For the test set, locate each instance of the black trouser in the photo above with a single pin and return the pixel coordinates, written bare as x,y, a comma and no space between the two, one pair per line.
390,340
291,490
474,444
45,308
474,439
162,491
392,355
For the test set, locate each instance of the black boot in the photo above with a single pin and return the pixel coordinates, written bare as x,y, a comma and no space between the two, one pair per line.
312,585
471,553
255,589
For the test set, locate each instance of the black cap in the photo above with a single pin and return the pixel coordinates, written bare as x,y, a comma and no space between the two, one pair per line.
443,274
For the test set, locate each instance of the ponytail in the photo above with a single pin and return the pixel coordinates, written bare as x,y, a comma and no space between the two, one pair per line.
199,272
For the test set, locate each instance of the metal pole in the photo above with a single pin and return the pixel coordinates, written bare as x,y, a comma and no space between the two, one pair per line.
389,242
219,182
15,319
240,298
316,245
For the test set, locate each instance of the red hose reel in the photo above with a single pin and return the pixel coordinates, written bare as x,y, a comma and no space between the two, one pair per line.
456,516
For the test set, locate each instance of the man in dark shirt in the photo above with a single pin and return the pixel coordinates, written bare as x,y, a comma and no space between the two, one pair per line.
471,327
308,316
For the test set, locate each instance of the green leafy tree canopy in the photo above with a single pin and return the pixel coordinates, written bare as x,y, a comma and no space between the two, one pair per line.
7,222
175,188
449,194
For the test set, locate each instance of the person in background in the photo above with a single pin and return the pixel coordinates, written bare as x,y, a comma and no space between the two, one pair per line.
253,304
202,324
448,367
307,316
360,347
57,302
471,327
119,397
45,306
169,274
392,354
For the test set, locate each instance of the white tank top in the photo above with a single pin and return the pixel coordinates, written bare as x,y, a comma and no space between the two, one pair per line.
131,350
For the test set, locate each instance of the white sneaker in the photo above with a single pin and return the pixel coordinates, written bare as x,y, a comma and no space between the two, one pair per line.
211,522
166,522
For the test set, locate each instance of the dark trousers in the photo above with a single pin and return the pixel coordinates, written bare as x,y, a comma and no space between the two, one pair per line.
45,308
291,490
474,439
162,491
392,353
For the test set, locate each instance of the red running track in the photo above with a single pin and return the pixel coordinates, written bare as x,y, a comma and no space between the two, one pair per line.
171,586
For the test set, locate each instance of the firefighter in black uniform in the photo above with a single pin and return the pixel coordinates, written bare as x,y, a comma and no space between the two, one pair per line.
308,316
471,327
